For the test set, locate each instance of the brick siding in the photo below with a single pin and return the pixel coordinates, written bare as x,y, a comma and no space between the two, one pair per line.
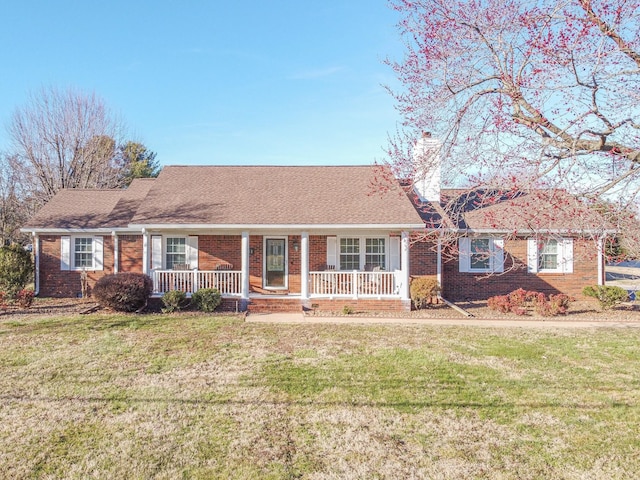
55,282
477,286
130,253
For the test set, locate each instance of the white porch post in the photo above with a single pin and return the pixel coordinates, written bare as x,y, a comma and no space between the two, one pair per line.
601,272
36,260
304,265
404,262
244,289
145,252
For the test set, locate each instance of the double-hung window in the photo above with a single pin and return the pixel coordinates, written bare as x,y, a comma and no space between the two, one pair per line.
481,255
375,253
358,253
550,255
81,252
349,254
176,252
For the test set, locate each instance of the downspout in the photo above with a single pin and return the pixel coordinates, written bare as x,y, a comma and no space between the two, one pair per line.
145,252
116,251
439,262
36,261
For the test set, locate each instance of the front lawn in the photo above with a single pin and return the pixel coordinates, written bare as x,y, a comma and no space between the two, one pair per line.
183,396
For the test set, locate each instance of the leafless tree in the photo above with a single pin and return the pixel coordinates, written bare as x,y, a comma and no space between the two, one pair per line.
64,139
524,95
15,207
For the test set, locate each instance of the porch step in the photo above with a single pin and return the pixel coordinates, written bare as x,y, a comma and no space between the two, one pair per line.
271,305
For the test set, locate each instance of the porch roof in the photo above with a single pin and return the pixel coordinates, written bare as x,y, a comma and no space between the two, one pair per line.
274,196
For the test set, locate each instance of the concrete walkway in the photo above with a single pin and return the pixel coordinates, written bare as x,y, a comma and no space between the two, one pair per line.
299,318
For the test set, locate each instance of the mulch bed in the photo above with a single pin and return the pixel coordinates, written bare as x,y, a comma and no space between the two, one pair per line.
580,310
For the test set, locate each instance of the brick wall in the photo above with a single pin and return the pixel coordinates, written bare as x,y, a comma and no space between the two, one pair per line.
130,253
362,304
214,250
472,286
55,282
423,259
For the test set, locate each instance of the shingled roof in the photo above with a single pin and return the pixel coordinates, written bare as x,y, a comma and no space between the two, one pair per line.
91,209
235,196
511,211
271,195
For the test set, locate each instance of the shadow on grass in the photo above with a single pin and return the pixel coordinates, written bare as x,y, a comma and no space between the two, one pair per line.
322,403
99,322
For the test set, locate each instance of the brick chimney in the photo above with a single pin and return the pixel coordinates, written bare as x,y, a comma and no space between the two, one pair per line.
427,163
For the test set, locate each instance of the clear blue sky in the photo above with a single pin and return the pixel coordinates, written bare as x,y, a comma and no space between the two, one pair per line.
216,82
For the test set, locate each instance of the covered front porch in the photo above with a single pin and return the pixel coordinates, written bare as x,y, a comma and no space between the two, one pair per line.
307,267
353,284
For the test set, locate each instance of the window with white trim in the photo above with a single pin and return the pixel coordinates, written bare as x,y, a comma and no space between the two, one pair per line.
175,251
550,255
83,252
358,253
481,255
375,253
349,254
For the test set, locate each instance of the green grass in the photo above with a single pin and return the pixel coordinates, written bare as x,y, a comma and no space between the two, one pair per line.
181,396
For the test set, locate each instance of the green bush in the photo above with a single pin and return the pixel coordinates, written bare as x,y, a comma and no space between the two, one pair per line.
608,296
423,290
16,269
206,299
347,310
124,292
173,300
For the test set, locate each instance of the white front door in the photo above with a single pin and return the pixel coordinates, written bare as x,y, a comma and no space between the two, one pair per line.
275,263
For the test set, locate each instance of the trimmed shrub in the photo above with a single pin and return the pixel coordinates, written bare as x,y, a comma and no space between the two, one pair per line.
555,305
608,296
124,292
206,299
499,303
521,302
16,269
24,298
173,300
423,290
347,310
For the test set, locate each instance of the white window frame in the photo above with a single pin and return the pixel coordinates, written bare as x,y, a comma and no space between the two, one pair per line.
362,247
564,253
159,251
165,250
68,253
496,255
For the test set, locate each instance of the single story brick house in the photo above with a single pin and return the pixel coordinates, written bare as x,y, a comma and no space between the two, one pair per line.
282,238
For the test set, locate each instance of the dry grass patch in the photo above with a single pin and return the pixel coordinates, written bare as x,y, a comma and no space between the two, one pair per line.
125,396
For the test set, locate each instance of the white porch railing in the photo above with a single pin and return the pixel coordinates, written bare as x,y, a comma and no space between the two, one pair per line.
353,284
226,281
